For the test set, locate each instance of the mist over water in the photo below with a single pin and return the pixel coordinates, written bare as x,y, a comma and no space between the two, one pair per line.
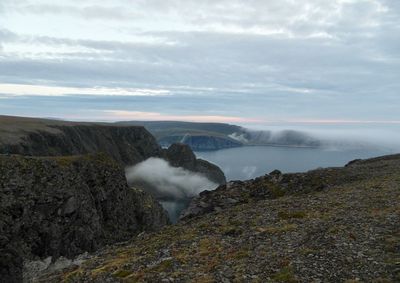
337,145
172,187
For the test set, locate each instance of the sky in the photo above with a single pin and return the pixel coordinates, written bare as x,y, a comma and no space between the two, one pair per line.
253,62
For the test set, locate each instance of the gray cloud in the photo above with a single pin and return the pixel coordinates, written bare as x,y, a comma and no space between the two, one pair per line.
310,58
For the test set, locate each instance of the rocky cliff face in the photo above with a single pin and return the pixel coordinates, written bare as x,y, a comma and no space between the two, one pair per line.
64,206
181,155
128,145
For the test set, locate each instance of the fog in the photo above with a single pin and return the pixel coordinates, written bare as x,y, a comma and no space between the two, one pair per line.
384,137
165,182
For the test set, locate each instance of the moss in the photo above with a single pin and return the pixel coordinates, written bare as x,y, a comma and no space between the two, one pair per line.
65,161
285,215
72,276
276,191
122,273
231,230
277,229
241,254
286,275
163,266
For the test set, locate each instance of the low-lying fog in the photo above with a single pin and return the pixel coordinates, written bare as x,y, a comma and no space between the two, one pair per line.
328,147
335,137
172,186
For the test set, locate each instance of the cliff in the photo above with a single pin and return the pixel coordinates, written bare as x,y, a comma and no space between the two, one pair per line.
38,137
200,142
181,155
327,225
64,206
128,145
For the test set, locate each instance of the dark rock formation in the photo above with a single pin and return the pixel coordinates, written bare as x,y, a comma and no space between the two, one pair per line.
64,206
127,145
181,155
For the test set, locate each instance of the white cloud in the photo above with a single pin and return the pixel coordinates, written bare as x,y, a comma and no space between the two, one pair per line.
122,115
167,182
42,90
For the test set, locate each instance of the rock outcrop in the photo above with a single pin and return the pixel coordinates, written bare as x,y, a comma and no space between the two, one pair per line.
64,206
181,155
127,145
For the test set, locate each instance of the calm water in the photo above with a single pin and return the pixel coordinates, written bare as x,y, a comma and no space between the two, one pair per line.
249,162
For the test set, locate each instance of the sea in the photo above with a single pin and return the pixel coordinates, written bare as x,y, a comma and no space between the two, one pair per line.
248,162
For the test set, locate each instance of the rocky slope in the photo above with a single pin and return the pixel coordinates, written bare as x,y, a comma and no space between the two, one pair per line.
128,145
64,206
327,225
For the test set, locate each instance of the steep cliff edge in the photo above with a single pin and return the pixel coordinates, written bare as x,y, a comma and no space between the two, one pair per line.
128,145
38,137
64,206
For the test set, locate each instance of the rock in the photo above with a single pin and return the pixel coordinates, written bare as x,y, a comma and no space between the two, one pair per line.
300,237
181,155
126,145
65,206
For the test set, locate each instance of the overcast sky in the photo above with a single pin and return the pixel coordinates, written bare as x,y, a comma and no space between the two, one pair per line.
244,62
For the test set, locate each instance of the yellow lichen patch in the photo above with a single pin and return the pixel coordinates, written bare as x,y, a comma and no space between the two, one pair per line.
122,273
65,160
285,215
71,276
110,266
208,247
205,279
237,254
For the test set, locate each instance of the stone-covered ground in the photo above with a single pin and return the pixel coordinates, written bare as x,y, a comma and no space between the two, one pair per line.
342,226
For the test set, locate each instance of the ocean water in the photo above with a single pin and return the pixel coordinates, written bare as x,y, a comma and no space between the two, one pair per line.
248,162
